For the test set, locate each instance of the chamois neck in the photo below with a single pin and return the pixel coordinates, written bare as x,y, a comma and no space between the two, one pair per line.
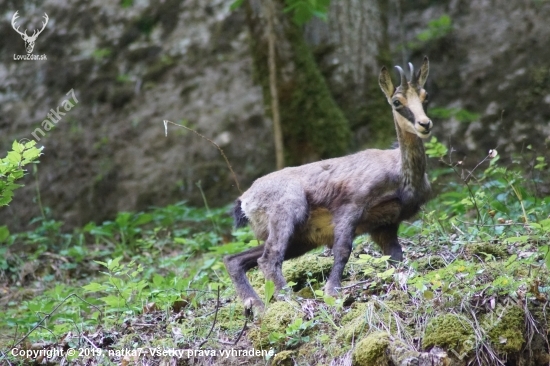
413,159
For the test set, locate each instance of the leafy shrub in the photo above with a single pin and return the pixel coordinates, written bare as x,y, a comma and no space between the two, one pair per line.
11,168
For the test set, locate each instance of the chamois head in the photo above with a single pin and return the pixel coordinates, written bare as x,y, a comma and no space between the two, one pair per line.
408,100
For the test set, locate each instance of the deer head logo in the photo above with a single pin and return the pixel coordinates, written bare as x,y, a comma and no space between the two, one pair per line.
29,40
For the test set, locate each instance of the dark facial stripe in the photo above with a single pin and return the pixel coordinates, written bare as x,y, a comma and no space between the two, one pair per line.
406,112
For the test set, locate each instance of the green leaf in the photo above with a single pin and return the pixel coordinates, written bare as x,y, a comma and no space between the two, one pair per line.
545,250
14,157
113,301
269,291
386,273
517,239
113,264
17,147
94,287
499,206
235,5
4,233
329,300
31,154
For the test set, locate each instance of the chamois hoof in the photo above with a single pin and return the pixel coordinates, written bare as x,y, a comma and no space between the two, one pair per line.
253,306
331,290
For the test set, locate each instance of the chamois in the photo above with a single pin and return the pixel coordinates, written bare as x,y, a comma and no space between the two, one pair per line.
329,202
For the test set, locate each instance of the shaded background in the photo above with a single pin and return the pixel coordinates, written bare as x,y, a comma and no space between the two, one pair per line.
134,63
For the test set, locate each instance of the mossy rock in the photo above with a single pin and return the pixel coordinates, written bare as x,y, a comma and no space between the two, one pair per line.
431,262
357,309
306,293
231,317
483,249
505,329
298,270
308,266
371,350
353,324
275,320
449,331
353,330
283,358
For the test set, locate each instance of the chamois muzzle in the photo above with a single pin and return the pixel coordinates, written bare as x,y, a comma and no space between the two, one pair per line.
426,128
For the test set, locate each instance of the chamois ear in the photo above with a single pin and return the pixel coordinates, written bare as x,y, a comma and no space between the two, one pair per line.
423,73
386,84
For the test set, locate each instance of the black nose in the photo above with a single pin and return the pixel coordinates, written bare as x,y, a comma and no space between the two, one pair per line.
427,125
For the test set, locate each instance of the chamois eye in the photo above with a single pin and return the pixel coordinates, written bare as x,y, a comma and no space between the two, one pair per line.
396,103
426,98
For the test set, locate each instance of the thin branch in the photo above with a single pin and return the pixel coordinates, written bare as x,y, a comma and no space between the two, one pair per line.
89,341
355,284
215,318
489,225
39,324
4,356
212,142
241,332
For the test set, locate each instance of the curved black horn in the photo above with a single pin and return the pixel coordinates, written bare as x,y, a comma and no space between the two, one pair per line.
403,77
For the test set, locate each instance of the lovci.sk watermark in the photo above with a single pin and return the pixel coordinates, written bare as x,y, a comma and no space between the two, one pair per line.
54,116
29,40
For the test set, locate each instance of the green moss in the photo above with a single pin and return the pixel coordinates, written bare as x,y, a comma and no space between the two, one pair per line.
353,330
308,266
481,250
371,350
353,324
357,310
276,319
231,317
298,270
312,116
313,125
283,358
537,88
378,116
306,293
430,262
449,331
505,329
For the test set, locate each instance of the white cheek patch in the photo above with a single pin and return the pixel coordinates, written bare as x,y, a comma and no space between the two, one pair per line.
415,106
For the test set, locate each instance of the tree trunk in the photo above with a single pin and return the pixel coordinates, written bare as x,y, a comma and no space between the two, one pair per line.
274,95
313,125
352,47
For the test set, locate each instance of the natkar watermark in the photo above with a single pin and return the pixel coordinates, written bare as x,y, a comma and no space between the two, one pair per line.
29,40
55,116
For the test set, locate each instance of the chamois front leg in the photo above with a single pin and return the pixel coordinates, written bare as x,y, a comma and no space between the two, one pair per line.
344,232
386,238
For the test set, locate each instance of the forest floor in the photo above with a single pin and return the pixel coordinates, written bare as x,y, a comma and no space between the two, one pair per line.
150,288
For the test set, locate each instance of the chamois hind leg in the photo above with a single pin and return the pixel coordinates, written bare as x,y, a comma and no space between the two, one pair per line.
281,227
237,265
386,238
344,232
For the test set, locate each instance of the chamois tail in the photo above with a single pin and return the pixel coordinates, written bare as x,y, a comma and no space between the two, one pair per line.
239,217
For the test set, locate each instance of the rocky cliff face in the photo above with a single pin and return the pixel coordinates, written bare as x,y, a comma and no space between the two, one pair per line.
130,69
494,63
189,62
